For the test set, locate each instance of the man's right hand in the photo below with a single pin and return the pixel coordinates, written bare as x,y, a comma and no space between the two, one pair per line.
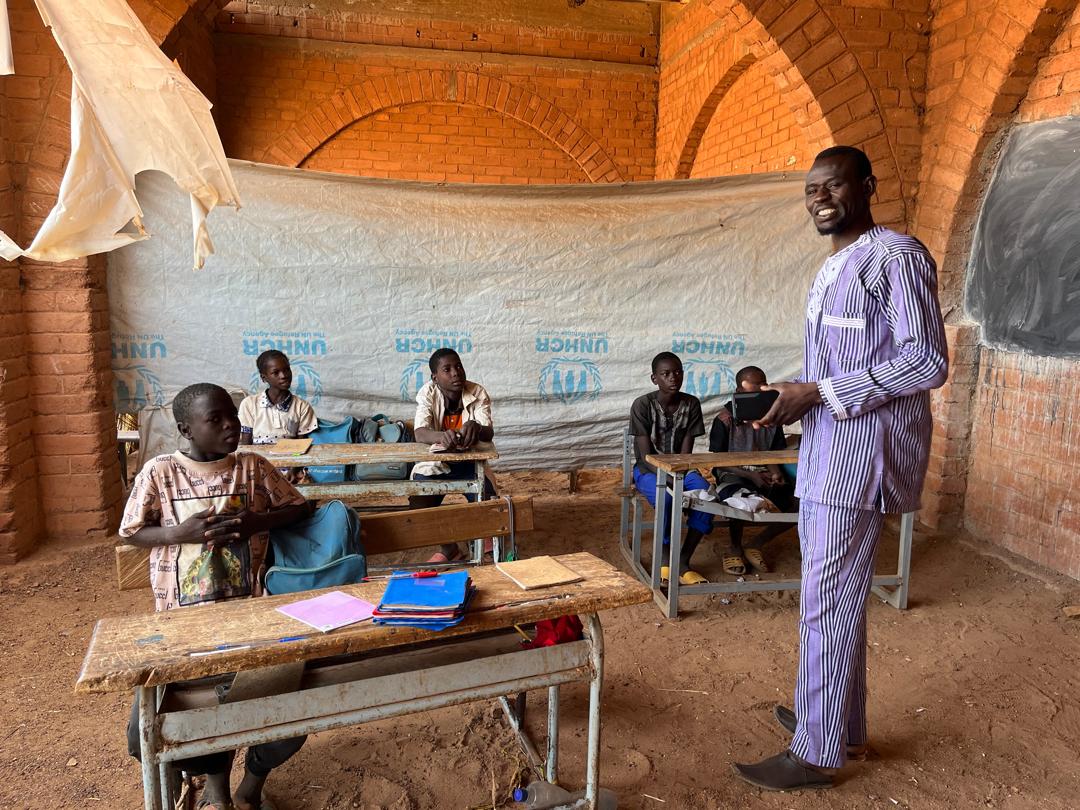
448,439
207,527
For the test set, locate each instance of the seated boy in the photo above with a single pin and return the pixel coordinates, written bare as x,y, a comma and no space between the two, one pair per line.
453,412
276,413
729,436
206,516
667,421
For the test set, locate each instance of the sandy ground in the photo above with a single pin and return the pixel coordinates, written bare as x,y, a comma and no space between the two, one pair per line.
974,699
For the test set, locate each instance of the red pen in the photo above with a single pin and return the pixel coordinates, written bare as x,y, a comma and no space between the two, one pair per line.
417,575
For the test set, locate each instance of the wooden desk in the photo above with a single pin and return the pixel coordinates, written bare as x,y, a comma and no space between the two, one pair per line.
382,453
152,652
684,463
671,470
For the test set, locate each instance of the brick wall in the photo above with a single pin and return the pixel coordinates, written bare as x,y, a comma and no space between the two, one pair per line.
752,131
446,143
1025,420
280,101
849,73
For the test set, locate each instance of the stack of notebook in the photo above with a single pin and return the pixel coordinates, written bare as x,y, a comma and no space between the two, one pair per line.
433,603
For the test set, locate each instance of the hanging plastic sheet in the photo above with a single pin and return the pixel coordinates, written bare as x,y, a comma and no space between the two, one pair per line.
132,110
556,297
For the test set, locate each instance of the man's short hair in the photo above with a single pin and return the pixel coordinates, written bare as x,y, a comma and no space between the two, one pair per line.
439,354
184,402
263,360
862,162
745,372
665,356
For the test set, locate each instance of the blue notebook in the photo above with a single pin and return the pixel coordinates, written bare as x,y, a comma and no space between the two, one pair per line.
444,592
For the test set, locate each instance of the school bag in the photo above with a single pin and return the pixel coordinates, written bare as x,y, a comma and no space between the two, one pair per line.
320,552
379,428
345,432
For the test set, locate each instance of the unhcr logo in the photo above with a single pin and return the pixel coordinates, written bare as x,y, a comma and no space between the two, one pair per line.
298,347
707,371
571,376
306,382
136,385
423,345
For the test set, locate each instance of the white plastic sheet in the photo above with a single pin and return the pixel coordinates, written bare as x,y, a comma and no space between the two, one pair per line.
556,297
7,63
132,110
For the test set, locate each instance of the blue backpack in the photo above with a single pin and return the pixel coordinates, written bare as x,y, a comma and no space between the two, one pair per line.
320,552
346,432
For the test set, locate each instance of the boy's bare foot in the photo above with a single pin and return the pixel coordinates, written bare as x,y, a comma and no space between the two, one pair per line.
248,795
215,795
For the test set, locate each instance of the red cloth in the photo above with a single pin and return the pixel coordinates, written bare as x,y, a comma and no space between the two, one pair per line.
550,632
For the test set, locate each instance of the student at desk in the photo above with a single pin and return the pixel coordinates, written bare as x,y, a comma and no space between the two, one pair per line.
768,482
275,413
456,413
667,421
206,516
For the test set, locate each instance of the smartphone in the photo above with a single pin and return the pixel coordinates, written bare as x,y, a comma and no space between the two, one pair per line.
750,405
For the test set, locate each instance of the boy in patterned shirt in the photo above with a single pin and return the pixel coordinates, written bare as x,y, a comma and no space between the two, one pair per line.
667,421
206,516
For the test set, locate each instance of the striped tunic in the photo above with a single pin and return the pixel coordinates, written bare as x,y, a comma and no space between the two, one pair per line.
875,345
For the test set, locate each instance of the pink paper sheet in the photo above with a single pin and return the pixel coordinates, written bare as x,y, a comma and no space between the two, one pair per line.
329,611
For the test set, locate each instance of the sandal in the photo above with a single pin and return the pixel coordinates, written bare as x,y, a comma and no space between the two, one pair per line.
691,578
665,574
734,563
756,560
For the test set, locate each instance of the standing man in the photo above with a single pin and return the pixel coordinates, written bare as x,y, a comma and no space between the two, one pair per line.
874,347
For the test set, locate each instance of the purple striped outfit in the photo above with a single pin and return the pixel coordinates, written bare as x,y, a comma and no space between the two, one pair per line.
875,345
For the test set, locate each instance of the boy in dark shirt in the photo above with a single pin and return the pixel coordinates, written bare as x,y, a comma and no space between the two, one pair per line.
726,436
667,421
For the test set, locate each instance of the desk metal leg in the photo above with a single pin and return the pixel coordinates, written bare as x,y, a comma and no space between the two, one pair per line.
592,769
148,743
898,596
658,531
553,735
676,541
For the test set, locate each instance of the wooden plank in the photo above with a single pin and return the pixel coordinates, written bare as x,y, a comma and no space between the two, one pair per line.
375,453
383,533
155,649
395,488
691,461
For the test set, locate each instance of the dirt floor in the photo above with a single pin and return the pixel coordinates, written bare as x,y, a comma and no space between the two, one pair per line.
974,695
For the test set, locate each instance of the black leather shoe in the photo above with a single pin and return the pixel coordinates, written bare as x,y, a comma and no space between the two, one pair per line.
783,772
786,718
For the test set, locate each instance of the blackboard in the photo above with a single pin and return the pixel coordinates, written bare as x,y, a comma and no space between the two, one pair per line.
1024,276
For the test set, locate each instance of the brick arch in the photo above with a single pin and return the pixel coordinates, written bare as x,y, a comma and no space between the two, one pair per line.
443,86
828,89
689,151
960,150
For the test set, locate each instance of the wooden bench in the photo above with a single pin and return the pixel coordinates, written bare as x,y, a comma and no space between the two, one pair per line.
388,532
388,671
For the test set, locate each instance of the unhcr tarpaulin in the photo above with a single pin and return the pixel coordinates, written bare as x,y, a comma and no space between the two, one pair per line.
556,297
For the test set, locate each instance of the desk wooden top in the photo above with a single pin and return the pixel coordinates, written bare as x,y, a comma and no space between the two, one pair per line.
691,461
374,453
154,649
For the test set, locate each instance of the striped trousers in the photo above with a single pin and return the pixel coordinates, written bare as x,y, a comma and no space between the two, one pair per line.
839,545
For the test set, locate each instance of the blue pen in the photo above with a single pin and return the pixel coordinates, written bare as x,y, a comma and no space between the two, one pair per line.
292,638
